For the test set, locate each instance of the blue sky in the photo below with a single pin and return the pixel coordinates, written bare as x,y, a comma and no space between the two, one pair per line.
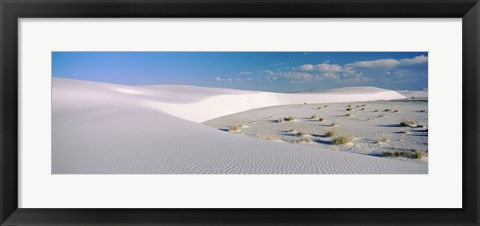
266,71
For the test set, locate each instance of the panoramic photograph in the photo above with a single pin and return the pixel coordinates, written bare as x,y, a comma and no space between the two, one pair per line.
239,113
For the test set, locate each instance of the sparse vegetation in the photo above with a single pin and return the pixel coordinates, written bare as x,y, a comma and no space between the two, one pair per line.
423,110
421,126
348,115
280,120
349,105
342,140
289,118
395,110
314,116
376,110
388,110
363,105
321,119
330,133
413,154
234,128
406,123
363,109
268,137
297,140
348,109
334,124
325,105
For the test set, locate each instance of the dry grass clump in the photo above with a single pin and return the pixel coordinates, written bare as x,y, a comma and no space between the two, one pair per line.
406,123
314,116
342,140
363,109
363,105
388,110
330,133
383,140
376,110
300,140
349,105
413,154
234,128
348,109
348,115
286,119
395,110
268,137
321,119
334,124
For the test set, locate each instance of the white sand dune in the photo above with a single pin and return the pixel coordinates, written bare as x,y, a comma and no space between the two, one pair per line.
107,128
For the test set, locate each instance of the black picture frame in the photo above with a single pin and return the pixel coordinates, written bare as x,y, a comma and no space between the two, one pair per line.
12,10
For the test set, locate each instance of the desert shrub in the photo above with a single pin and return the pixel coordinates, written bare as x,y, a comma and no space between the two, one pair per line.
341,140
330,133
363,109
413,154
334,124
363,105
348,115
348,109
357,106
421,126
280,120
319,108
234,128
388,110
395,110
290,118
423,110
376,110
406,123
268,137
321,119
349,105
314,116
300,140
325,105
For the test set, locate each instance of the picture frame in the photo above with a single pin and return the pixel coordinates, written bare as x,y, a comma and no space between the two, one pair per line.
11,11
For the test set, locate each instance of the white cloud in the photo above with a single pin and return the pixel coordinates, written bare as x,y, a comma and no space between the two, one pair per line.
306,67
246,73
374,63
415,60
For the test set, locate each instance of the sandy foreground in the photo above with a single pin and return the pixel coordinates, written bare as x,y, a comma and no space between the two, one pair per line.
101,128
